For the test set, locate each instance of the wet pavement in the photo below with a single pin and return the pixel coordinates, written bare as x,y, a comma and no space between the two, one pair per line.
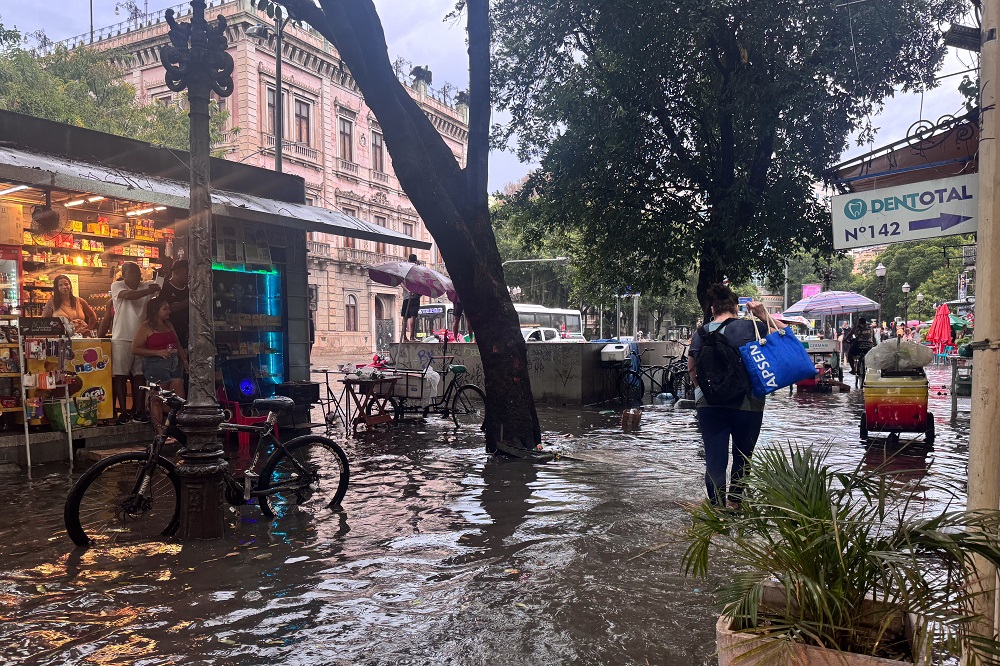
442,556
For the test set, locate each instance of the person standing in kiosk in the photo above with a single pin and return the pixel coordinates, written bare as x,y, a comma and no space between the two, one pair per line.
175,292
129,296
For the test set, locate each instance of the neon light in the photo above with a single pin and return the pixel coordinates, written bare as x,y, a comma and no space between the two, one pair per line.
242,269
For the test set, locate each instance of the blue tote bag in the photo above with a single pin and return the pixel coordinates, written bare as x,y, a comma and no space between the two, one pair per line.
776,361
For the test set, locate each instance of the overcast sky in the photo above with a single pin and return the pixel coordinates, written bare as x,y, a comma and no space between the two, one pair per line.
417,31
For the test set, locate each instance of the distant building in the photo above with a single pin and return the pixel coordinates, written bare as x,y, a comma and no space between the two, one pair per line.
331,139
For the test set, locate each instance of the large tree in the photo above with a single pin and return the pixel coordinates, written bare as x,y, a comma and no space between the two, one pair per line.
451,200
681,135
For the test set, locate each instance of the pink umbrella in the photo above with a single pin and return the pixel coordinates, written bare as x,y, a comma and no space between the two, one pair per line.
793,319
939,333
415,278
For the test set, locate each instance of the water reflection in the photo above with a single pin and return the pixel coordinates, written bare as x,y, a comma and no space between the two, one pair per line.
441,555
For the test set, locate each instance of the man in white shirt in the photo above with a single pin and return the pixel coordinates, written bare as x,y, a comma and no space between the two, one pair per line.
129,296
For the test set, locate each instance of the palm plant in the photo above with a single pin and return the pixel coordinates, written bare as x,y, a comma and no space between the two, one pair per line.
833,542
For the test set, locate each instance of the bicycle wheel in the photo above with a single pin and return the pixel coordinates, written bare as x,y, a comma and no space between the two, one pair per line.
104,508
312,474
682,387
631,387
468,408
391,408
658,380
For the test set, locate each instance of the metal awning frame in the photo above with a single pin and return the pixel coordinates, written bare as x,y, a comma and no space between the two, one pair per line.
51,172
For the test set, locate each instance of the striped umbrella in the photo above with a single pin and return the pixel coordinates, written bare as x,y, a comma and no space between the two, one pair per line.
416,278
792,319
831,303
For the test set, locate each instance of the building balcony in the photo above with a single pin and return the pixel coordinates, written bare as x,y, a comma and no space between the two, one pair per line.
380,178
319,249
350,255
291,149
349,168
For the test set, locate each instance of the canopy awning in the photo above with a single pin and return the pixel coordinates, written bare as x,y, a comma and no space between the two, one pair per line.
53,172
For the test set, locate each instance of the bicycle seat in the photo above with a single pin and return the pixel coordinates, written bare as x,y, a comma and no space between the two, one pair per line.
278,403
457,369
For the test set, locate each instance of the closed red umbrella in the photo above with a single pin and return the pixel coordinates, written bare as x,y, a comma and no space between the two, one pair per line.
939,333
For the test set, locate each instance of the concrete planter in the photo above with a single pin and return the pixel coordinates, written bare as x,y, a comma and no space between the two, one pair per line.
732,645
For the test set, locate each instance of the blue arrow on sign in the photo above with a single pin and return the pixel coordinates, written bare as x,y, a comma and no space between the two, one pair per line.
943,222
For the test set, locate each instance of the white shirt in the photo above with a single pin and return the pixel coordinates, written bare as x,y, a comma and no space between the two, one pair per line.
128,314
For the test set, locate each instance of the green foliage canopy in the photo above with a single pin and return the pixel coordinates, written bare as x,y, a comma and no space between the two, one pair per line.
678,136
84,87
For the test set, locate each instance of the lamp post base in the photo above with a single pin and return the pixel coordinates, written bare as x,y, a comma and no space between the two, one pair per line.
202,470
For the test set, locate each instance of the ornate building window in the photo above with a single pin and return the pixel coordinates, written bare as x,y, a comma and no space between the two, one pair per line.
303,132
351,313
380,221
346,140
408,230
378,153
353,212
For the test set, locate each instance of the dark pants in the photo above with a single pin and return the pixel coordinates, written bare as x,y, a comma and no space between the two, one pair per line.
718,425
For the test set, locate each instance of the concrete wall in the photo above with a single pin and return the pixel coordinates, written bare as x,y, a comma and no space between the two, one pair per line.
561,373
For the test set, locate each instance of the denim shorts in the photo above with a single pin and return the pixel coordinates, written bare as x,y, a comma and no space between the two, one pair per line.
161,370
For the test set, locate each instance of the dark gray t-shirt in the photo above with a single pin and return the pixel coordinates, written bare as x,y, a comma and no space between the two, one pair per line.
739,332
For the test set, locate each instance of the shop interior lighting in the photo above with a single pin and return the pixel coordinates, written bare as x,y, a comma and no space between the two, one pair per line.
76,202
93,199
143,211
11,190
159,208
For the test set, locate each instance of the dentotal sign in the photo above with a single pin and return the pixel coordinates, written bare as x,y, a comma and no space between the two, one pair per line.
933,208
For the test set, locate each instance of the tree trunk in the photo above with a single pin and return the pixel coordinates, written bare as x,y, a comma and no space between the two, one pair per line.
451,201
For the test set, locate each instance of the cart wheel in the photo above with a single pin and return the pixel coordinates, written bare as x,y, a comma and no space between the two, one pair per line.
929,433
893,439
864,428
391,408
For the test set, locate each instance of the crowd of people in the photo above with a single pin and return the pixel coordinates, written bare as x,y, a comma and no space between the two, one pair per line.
149,329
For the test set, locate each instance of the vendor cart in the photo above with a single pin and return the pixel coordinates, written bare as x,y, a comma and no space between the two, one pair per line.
896,402
825,354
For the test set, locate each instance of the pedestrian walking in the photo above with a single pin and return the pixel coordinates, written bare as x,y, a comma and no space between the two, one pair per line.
737,421
409,310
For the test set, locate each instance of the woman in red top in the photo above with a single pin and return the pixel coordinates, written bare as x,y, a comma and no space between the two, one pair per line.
163,360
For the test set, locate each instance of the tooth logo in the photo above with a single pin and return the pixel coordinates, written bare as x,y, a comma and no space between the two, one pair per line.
856,209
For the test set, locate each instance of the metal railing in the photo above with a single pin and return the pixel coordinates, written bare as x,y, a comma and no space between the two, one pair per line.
318,249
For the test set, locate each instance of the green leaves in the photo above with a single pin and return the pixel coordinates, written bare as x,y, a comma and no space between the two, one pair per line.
674,134
832,540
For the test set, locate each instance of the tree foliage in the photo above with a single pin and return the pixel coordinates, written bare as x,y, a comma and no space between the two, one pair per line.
84,87
678,136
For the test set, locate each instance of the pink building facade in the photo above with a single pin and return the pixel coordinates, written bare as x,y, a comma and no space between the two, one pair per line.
331,139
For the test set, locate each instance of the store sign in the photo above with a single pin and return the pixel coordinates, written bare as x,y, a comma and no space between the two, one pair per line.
963,286
811,290
42,327
933,208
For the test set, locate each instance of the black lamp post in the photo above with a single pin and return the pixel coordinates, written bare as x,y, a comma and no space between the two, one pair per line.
196,59
263,31
906,302
880,271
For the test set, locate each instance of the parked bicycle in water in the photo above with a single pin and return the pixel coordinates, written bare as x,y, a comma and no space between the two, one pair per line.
136,495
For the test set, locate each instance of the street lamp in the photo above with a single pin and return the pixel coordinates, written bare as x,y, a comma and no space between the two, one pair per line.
920,306
880,272
260,31
196,60
906,302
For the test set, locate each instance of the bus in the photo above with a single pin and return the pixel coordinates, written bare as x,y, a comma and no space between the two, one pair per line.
434,317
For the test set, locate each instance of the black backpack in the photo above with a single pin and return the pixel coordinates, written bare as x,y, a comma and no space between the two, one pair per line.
719,367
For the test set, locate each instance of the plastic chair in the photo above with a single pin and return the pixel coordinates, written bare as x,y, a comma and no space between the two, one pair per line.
239,418
941,358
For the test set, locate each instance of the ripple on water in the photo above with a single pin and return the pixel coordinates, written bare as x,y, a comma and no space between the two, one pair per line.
441,556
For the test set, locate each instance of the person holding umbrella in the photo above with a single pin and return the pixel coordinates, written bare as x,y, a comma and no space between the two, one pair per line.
409,309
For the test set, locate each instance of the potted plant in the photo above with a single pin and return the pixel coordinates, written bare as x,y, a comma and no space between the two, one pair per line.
840,568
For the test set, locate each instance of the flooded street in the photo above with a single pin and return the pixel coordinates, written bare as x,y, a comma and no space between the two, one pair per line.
442,556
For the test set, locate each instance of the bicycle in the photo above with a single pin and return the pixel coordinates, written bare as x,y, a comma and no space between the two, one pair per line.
632,384
138,493
678,378
465,404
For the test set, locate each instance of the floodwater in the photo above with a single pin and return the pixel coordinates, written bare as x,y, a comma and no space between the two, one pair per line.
443,556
